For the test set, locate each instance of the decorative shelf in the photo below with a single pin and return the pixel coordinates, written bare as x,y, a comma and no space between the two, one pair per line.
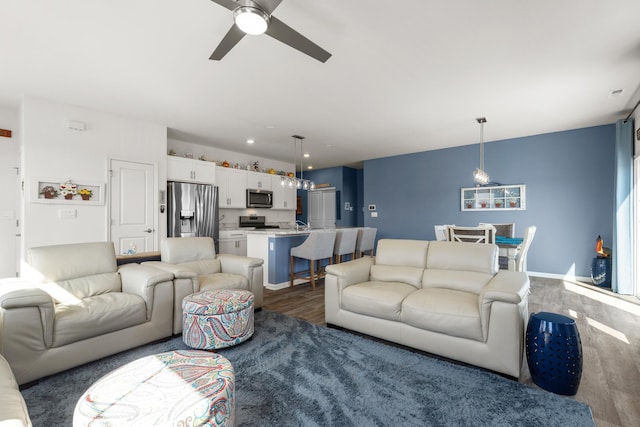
495,198
96,188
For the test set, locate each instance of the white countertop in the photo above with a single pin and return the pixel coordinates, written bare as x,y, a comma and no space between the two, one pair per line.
279,232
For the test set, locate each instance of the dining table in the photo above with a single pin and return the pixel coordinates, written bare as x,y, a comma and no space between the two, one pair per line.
509,247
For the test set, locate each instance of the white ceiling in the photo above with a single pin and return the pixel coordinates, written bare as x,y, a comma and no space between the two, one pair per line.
404,76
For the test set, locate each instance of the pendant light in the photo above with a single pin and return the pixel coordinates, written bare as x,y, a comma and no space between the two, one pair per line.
479,175
299,183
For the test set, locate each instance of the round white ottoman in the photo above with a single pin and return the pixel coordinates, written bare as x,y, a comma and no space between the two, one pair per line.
217,318
178,388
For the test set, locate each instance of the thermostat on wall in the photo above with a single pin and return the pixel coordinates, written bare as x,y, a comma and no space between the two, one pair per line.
372,207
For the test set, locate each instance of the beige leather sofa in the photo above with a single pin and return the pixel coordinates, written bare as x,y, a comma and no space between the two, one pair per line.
445,298
13,409
196,267
73,305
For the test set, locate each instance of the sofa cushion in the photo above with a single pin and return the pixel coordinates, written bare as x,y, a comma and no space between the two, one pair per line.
478,257
445,311
466,281
377,299
388,273
223,281
97,315
87,286
82,269
176,250
203,266
401,252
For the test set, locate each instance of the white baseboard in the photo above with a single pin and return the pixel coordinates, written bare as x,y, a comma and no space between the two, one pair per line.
567,277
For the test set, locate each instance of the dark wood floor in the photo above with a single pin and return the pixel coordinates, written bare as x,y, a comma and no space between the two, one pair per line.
609,329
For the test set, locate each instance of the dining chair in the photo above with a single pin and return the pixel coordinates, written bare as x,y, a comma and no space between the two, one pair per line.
318,246
505,230
479,234
441,231
345,243
521,256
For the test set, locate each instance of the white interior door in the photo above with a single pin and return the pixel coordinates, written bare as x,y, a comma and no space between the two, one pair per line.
9,208
132,210
322,208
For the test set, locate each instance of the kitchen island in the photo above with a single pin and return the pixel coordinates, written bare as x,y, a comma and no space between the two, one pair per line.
274,247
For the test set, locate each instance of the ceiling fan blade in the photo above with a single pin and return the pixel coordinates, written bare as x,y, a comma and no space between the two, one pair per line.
267,5
233,36
287,35
229,4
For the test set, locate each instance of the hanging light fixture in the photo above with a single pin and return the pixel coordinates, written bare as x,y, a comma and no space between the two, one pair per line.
479,175
299,183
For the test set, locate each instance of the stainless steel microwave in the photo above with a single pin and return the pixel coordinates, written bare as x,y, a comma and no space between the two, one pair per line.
259,198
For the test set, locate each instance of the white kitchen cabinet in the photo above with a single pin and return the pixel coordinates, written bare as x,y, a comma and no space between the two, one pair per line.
283,197
232,188
259,181
233,242
190,170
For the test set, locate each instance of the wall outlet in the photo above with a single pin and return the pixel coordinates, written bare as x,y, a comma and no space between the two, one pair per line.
372,207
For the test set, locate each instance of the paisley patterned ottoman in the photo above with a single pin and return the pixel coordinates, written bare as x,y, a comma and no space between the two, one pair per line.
177,388
217,318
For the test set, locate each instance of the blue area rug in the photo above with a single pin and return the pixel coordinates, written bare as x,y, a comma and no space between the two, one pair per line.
293,373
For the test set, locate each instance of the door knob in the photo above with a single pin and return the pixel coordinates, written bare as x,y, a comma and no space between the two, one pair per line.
148,230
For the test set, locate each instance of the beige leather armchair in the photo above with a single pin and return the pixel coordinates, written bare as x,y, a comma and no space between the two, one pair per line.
196,267
73,305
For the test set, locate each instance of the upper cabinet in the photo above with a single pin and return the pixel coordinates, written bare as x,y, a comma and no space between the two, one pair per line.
259,181
190,170
232,188
284,197
499,197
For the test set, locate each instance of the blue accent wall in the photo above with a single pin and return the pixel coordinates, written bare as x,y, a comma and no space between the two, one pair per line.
569,178
345,181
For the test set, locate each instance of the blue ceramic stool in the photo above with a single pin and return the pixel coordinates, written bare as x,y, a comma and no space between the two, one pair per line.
554,352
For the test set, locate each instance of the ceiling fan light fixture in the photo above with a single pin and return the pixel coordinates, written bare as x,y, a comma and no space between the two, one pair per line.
251,20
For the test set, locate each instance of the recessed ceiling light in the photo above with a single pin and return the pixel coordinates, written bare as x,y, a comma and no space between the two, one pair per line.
250,141
306,154
309,167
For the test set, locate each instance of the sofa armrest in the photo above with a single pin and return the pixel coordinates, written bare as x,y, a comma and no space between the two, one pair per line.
351,272
506,286
16,298
141,280
178,271
249,267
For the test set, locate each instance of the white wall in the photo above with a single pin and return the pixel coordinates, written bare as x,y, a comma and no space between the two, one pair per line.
51,150
9,192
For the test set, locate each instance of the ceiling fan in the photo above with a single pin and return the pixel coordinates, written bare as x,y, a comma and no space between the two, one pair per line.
254,17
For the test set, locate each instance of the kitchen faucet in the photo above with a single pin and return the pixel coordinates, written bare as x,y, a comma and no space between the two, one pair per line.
301,223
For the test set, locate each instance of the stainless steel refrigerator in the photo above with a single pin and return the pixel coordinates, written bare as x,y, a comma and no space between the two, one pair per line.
192,210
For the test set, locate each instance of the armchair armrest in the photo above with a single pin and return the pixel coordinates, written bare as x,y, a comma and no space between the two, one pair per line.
16,295
249,267
506,286
141,280
178,271
238,264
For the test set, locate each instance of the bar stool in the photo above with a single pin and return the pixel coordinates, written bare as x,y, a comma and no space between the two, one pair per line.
318,246
365,241
345,243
